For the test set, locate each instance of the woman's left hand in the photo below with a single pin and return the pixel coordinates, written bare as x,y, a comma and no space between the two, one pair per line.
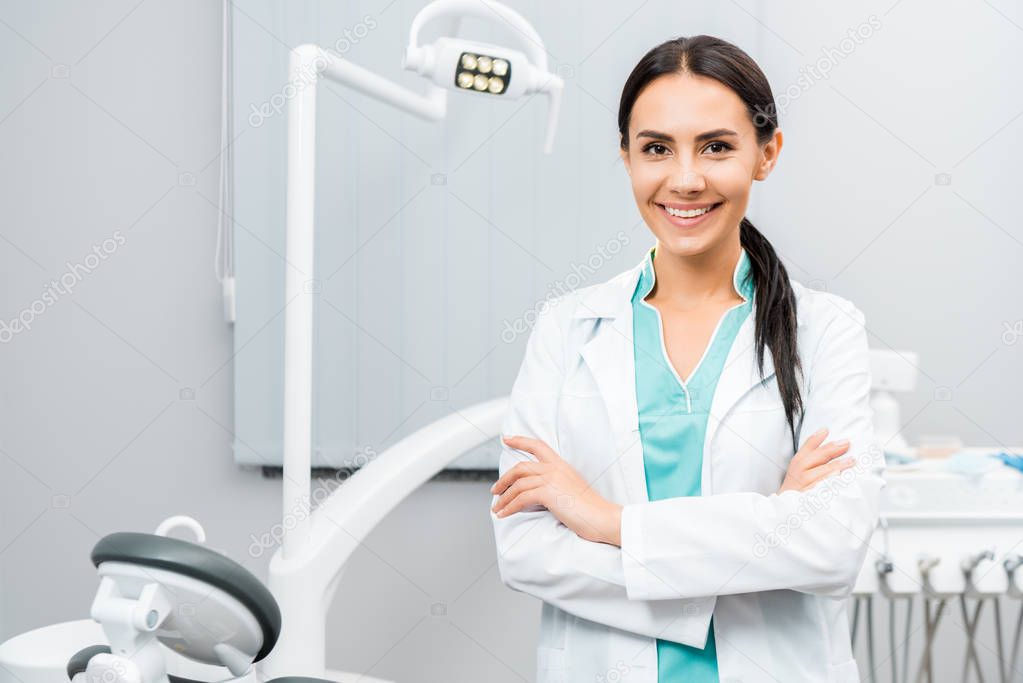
554,484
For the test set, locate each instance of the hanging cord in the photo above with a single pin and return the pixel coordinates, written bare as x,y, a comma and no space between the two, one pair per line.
223,259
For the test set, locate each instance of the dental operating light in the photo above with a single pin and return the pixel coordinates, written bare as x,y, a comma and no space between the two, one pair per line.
481,68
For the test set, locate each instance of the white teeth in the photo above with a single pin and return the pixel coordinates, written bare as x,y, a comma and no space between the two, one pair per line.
688,214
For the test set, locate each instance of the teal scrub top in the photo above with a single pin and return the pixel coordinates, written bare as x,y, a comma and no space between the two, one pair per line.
672,424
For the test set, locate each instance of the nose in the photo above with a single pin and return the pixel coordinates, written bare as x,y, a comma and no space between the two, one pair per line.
687,178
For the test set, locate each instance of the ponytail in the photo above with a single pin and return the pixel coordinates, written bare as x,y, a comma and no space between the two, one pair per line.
775,324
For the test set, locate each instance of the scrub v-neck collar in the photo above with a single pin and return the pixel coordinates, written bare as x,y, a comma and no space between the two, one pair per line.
742,280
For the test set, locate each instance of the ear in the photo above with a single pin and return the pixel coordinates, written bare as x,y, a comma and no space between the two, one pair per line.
769,156
624,154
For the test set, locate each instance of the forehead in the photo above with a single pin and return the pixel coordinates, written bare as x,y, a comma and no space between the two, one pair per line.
684,105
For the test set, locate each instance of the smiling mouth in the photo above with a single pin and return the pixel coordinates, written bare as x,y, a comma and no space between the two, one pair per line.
675,213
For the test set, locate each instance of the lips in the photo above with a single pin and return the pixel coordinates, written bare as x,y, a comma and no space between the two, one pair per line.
687,207
690,207
688,222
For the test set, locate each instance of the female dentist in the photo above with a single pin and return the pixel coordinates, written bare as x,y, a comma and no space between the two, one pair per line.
651,493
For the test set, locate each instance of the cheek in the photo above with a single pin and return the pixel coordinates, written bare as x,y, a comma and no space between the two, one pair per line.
645,182
646,178
730,178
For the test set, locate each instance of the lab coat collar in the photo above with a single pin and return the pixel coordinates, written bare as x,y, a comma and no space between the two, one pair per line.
609,354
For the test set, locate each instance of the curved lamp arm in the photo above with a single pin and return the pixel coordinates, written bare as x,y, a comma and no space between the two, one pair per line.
304,584
482,9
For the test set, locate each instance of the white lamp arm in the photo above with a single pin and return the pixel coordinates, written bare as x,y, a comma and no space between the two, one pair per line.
483,9
373,491
304,584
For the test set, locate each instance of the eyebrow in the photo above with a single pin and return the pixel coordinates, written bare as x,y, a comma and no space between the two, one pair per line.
717,133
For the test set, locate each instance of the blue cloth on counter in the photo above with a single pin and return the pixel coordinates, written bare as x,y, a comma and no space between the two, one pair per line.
970,463
1011,459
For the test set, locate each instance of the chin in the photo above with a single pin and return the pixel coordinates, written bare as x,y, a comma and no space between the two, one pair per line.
686,245
695,242
682,246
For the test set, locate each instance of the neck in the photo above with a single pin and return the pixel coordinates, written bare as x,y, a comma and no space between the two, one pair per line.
689,281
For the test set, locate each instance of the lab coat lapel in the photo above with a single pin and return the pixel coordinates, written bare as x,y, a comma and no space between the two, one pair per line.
610,356
738,376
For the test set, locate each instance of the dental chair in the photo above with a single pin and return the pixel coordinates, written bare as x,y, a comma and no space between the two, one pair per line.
160,600
158,592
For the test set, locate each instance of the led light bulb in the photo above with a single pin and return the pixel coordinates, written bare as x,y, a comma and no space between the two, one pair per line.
465,79
496,85
480,82
483,64
500,67
469,61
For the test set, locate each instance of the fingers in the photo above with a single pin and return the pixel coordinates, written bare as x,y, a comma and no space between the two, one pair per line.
520,485
816,474
541,450
824,454
814,440
543,453
523,469
523,500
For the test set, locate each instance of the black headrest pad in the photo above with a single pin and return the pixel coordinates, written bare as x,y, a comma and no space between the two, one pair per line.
197,562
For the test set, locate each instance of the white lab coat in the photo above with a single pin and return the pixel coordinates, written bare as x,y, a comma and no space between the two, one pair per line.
774,570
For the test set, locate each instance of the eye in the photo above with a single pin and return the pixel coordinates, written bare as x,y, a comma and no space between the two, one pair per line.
647,149
724,145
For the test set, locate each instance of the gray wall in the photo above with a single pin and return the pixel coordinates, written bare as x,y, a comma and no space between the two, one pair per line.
108,107
431,238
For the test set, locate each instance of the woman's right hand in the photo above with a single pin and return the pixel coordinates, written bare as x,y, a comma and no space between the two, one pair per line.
815,461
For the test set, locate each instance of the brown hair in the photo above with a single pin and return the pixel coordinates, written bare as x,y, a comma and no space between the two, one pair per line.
775,302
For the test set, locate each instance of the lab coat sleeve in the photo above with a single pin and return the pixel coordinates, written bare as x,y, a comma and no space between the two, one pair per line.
811,541
540,556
